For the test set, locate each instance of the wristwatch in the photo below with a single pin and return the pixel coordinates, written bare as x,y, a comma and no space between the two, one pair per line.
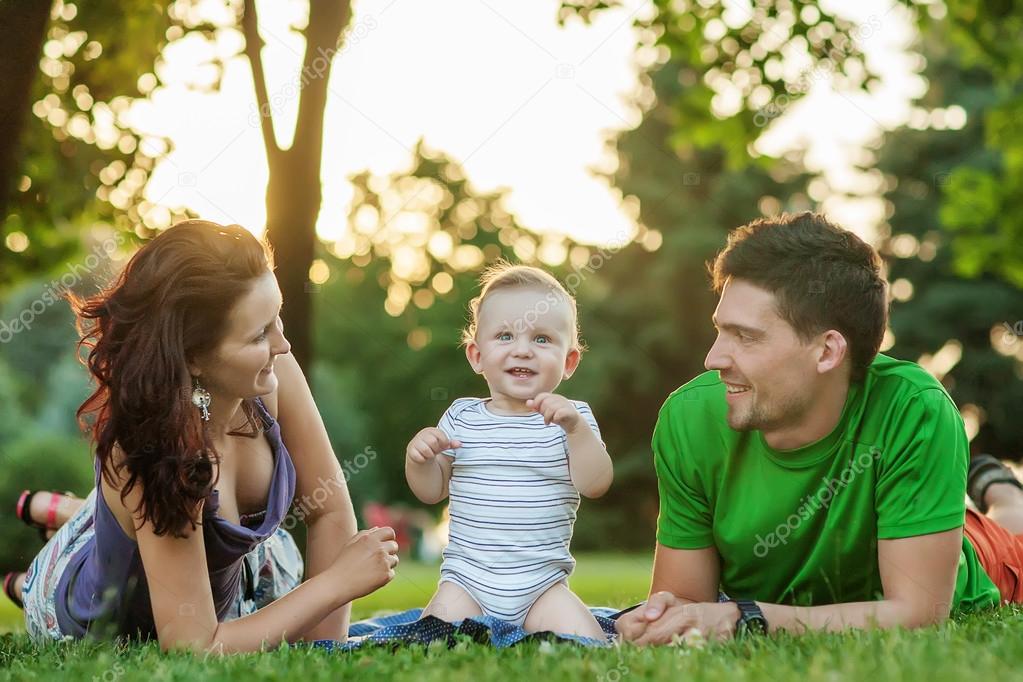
751,618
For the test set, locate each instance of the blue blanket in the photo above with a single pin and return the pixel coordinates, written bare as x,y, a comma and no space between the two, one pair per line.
406,628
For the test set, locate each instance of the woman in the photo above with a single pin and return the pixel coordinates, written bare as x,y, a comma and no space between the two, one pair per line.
204,429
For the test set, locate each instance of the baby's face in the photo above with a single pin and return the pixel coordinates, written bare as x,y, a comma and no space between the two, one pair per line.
524,342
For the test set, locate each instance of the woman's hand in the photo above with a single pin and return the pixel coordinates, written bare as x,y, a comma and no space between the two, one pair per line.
366,562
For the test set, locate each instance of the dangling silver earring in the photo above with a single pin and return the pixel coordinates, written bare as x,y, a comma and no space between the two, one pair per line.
201,399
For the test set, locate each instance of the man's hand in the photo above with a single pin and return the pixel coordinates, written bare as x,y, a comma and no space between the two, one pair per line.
665,618
558,410
429,443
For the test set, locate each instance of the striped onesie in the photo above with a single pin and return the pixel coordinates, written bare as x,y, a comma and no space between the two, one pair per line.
512,506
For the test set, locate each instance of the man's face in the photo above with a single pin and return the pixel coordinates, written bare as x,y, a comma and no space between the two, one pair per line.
769,374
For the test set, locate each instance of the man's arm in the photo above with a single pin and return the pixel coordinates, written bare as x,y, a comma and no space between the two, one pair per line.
918,577
688,576
692,575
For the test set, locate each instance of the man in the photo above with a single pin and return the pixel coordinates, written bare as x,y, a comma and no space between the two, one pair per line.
818,484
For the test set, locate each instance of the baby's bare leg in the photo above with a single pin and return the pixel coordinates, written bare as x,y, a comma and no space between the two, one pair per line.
559,610
451,603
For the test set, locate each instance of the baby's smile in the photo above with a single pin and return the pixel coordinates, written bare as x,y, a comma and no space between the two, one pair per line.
521,373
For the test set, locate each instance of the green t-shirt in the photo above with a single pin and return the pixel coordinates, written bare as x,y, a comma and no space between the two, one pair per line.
801,526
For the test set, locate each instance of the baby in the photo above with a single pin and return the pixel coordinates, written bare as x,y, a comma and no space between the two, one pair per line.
514,464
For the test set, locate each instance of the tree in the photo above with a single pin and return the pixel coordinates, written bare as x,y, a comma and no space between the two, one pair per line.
983,197
78,164
963,328
22,29
646,311
293,192
743,55
747,62
399,282
81,163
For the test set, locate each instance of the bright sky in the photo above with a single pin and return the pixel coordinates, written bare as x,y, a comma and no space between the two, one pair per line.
522,103
499,86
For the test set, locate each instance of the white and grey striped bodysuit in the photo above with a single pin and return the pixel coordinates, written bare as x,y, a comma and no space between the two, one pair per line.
512,506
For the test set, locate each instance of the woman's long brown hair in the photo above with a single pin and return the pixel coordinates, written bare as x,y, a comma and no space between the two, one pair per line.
169,305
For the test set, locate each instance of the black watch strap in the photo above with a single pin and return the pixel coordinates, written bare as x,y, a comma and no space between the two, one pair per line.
751,618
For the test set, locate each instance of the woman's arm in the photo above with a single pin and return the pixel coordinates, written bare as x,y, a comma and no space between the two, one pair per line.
321,493
182,598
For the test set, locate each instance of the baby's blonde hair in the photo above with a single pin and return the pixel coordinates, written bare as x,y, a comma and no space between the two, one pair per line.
505,275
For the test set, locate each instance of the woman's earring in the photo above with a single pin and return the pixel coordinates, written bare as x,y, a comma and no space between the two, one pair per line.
201,399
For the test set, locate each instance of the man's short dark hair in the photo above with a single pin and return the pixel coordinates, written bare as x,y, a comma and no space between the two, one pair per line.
822,276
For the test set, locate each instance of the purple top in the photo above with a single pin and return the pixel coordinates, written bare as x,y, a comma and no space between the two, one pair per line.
104,592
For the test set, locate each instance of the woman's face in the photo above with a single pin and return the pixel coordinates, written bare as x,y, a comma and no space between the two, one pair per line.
242,365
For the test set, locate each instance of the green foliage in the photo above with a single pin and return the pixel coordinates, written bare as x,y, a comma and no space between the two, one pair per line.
923,245
737,51
389,315
83,165
737,48
646,312
12,417
41,386
983,197
37,460
81,161
644,308
389,319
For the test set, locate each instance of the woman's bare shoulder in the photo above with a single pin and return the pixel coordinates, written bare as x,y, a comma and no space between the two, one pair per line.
110,487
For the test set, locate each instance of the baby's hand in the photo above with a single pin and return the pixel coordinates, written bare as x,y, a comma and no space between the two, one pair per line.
556,409
429,443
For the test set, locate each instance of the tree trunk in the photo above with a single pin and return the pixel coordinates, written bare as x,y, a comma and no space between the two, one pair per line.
22,30
292,204
293,191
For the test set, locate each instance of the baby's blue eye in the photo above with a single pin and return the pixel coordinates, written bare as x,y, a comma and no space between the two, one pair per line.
504,336
543,339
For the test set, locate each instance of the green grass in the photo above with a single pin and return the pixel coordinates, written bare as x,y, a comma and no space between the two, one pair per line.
985,647
602,580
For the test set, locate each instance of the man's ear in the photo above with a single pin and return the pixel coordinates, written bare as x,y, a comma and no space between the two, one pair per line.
572,362
833,352
473,355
